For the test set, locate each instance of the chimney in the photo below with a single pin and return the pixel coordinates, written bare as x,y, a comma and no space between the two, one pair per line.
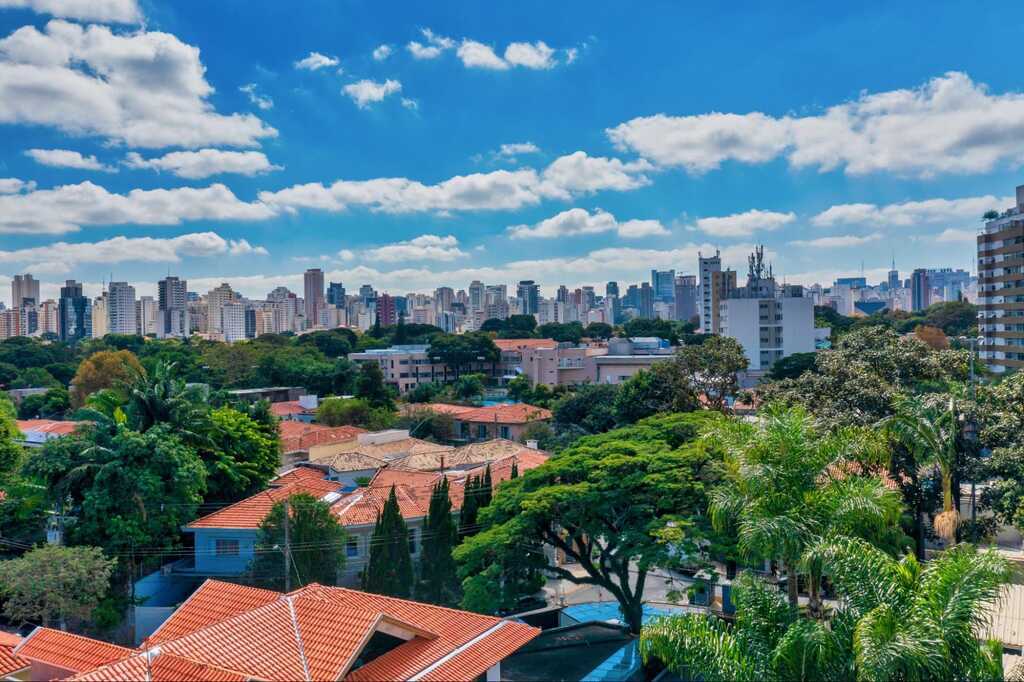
532,444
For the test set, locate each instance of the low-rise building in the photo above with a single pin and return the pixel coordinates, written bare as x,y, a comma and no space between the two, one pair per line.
507,421
233,633
35,432
610,363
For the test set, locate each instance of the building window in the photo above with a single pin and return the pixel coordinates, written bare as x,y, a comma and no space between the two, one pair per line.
412,541
226,547
352,547
481,431
506,432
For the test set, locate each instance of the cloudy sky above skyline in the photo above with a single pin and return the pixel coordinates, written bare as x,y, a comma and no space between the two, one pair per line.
448,142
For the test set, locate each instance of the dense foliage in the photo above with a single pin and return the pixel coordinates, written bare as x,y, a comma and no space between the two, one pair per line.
315,542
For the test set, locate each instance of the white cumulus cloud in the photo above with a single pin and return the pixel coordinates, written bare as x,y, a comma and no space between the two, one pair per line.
476,55
839,241
515,148
143,89
744,224
315,61
65,158
67,208
205,162
530,55
434,46
909,213
62,256
948,125
578,221
102,11
425,247
262,102
14,185
366,92
381,52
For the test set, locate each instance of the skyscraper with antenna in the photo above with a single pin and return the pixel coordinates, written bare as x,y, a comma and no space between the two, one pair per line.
894,275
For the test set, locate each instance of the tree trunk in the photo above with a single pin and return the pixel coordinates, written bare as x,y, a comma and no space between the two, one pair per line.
792,585
919,535
814,607
634,614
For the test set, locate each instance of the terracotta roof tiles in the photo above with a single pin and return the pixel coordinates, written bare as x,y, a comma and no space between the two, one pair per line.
300,436
212,602
60,428
68,651
516,413
9,663
248,513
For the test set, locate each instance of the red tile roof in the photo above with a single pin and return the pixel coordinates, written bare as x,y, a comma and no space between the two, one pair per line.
519,344
9,639
9,663
67,651
300,437
517,413
210,603
58,428
318,633
288,408
251,511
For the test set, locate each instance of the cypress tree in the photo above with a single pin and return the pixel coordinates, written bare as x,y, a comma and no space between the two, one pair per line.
470,506
389,570
438,579
486,487
515,470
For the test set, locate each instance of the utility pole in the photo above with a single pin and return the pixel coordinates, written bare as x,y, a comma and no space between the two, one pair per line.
287,549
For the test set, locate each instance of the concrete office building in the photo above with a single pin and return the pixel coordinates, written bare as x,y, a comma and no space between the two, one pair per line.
707,267
24,291
1001,288
146,316
685,297
664,284
121,308
172,308
313,290
920,290
74,313
528,294
770,323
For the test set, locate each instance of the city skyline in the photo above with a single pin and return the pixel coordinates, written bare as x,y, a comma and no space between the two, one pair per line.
411,153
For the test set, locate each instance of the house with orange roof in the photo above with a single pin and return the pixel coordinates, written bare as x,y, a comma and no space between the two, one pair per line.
12,667
35,432
505,421
226,540
233,633
298,437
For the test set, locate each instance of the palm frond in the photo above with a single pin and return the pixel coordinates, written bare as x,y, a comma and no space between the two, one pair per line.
698,646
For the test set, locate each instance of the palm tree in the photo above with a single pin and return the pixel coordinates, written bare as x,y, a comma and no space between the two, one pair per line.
787,485
896,621
929,432
162,397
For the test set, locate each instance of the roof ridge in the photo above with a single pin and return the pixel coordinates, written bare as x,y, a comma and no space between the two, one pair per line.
374,595
298,635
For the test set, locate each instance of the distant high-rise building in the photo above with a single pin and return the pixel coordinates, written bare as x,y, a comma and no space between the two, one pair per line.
920,290
663,283
314,295
101,315
74,313
24,291
646,301
336,294
528,294
562,294
707,267
232,319
1000,283
686,298
121,308
387,311
611,289
146,316
443,299
632,297
172,308
852,282
215,301
476,295
367,295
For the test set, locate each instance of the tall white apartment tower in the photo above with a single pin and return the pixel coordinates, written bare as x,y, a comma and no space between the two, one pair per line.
24,288
1001,289
215,300
121,308
707,267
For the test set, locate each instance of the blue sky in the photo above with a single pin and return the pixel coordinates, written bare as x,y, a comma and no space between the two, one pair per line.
243,142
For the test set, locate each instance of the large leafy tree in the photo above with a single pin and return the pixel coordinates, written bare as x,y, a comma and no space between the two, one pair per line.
591,407
105,369
370,386
895,620
240,457
862,377
788,485
606,503
389,569
710,368
51,584
126,489
438,579
662,388
316,542
458,351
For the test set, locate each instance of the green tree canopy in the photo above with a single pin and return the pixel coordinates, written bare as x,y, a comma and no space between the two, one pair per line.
52,584
438,579
605,503
710,368
105,369
661,388
370,386
591,407
241,457
389,569
316,543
